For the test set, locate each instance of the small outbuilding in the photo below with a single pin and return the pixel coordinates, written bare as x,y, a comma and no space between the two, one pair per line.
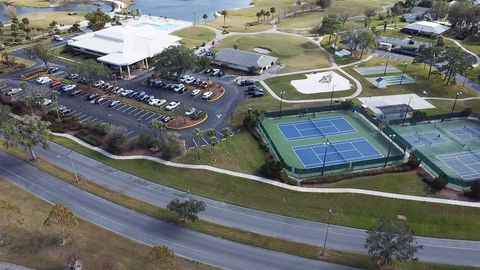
243,60
425,28
381,83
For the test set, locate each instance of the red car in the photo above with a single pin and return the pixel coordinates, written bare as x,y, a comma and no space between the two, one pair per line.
55,84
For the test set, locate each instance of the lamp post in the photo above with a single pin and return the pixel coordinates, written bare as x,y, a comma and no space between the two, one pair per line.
326,233
281,101
406,111
403,73
331,96
326,144
455,102
392,137
386,66
69,154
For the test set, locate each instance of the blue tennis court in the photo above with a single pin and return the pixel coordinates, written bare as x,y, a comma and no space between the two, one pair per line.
464,164
315,128
340,152
467,133
422,139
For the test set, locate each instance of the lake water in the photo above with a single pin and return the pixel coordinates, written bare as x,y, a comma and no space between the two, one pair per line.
185,9
73,7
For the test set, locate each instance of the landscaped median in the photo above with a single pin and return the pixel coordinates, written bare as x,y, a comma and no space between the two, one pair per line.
34,74
353,210
183,122
254,239
218,92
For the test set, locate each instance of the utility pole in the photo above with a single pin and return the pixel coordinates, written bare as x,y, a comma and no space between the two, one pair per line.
392,137
403,73
281,101
326,233
455,103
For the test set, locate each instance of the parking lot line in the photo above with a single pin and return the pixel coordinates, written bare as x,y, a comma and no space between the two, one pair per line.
195,142
134,110
128,108
143,115
150,116
205,140
129,133
85,119
81,115
158,117
139,112
84,95
123,106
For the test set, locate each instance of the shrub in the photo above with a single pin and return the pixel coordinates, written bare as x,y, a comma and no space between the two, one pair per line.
97,127
475,189
145,142
273,168
115,140
171,146
88,138
439,183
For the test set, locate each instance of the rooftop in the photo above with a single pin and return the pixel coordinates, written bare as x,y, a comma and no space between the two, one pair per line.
244,58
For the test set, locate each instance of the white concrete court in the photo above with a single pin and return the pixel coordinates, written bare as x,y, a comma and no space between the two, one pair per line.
322,82
416,102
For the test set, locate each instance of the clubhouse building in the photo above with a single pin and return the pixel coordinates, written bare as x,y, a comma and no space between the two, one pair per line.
130,46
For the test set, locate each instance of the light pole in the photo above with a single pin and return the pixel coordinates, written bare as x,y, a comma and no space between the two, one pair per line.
326,144
281,101
69,154
392,137
326,233
403,73
386,66
455,102
331,97
406,111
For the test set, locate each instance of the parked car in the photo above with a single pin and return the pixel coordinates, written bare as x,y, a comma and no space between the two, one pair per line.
126,93
55,84
72,76
167,119
247,83
98,83
64,110
92,96
101,100
53,70
180,88
118,91
195,92
68,87
58,38
153,102
172,105
114,103
190,111
150,98
43,80
207,95
76,92
258,94
204,85
14,91
46,102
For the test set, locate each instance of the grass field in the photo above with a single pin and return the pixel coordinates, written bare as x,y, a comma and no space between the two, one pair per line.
195,35
283,84
358,211
435,86
297,53
31,245
42,19
28,3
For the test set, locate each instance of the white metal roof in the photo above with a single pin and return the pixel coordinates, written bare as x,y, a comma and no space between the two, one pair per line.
130,43
427,27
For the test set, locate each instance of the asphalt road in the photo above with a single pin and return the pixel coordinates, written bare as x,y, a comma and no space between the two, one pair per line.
341,238
147,230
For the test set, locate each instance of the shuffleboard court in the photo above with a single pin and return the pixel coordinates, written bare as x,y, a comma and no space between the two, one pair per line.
315,128
366,71
339,152
464,164
393,80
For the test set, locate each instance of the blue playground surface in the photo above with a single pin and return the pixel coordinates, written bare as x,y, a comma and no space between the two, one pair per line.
422,139
339,152
464,164
467,133
315,128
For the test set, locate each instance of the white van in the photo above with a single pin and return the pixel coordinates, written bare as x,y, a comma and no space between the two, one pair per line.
384,46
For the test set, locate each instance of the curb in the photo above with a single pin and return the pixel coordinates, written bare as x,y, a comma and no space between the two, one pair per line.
217,98
189,126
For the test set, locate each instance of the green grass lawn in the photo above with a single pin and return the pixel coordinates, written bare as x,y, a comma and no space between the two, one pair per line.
349,209
195,35
43,19
283,83
297,53
327,45
435,86
445,106
231,155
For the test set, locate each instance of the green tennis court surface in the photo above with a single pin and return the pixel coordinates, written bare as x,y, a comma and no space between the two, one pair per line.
339,139
449,147
367,71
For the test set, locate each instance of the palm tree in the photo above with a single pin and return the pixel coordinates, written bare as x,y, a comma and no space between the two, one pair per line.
267,13
272,11
226,132
55,95
205,17
258,16
262,13
197,133
156,125
224,14
212,134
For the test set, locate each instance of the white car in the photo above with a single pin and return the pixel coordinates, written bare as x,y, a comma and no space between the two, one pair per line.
160,102
43,80
46,102
190,111
58,38
215,72
119,90
189,80
69,87
179,88
207,95
172,106
153,102
114,103
195,92
14,91
98,83
126,93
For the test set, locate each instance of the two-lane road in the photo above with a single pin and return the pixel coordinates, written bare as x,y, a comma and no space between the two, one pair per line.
147,230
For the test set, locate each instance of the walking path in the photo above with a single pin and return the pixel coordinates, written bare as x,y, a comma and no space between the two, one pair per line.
466,50
272,182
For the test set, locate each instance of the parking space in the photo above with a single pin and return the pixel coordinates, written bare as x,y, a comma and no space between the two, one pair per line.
392,56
